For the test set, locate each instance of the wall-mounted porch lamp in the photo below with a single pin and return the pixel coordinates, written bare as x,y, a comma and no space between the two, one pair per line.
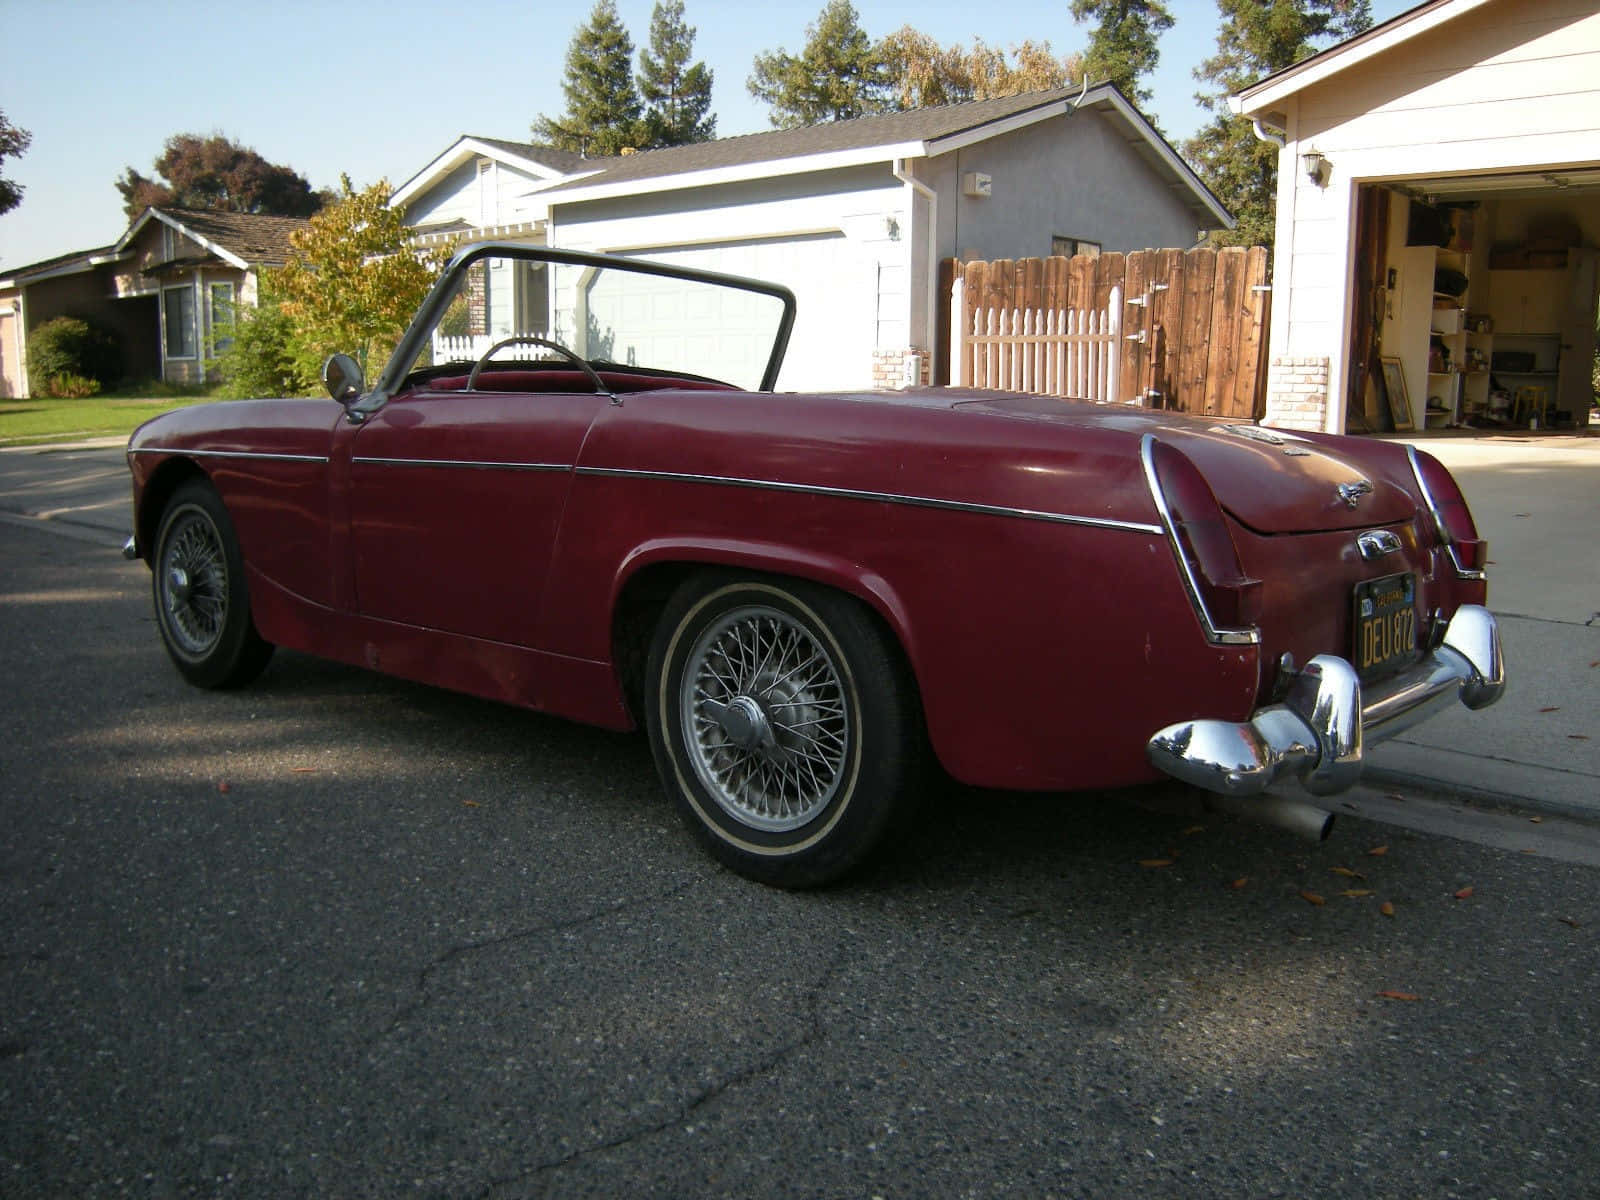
1317,168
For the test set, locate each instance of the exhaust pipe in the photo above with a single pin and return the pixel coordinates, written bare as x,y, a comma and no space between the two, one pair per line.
1296,816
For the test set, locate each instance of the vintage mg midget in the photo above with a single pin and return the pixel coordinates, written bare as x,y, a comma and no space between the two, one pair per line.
574,488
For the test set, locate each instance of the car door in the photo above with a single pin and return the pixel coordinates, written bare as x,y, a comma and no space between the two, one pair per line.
454,502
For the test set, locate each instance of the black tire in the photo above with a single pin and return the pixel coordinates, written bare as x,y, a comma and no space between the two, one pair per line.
202,603
784,724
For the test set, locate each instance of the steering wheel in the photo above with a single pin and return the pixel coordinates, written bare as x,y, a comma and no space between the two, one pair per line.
530,340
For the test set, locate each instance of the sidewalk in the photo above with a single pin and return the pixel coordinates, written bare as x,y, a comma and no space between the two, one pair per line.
1537,500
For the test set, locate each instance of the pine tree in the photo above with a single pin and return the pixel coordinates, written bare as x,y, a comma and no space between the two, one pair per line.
677,96
1122,48
1255,39
840,74
603,114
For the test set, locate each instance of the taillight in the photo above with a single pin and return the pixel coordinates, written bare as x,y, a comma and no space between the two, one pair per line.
1227,600
1451,517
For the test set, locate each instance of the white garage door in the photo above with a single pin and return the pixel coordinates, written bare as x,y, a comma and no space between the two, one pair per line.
836,290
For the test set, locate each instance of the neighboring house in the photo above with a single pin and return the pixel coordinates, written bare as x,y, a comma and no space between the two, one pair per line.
201,265
168,289
1438,214
853,216
69,285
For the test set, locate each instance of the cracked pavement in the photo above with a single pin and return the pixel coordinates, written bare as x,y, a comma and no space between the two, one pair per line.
339,935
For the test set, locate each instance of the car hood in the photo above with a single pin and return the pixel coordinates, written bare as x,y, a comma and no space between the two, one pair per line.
1271,480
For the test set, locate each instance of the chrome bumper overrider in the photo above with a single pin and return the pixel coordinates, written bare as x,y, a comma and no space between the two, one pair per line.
1317,731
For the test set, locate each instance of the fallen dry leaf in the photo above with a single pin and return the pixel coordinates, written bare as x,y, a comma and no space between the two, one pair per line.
1386,909
1595,663
1551,708
1194,829
1347,872
223,787
1378,851
1393,796
1569,921
1155,862
1537,820
302,770
1464,894
1388,995
1312,898
1578,737
472,804
1353,893
1239,882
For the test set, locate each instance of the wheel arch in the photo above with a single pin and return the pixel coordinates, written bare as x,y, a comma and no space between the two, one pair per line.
167,478
653,572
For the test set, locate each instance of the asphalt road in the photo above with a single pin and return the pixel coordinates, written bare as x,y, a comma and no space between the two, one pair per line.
337,935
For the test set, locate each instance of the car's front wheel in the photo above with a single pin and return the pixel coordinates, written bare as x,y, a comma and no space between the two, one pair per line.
784,724
202,605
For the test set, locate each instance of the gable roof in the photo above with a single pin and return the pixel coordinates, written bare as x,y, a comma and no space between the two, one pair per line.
542,162
241,239
61,264
1266,94
919,133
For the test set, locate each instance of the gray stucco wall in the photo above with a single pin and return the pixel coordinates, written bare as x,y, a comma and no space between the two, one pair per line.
1071,176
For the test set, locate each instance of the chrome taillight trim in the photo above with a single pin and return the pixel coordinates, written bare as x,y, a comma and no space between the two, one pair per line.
1217,635
1462,572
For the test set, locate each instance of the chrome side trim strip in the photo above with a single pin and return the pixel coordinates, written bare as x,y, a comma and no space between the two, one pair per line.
813,489
254,454
458,463
1191,586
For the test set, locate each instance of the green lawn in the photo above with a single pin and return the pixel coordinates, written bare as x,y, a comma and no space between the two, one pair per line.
35,422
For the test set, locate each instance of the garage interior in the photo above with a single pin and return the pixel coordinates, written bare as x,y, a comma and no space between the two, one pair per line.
1474,306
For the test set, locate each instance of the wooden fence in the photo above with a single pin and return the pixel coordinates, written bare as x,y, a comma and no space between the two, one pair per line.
1191,325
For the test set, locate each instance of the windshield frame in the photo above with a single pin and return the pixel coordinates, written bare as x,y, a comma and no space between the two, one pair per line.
419,331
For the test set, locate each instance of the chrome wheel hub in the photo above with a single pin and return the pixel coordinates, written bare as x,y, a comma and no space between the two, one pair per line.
766,718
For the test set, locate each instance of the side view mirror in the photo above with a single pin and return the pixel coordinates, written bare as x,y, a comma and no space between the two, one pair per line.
341,375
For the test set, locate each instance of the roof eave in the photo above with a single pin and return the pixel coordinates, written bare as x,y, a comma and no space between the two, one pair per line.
1272,92
464,149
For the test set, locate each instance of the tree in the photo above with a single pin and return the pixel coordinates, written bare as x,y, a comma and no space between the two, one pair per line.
840,74
1122,48
926,74
676,96
13,143
354,282
1255,39
217,172
603,114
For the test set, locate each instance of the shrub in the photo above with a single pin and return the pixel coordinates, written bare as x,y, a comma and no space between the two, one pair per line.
261,359
69,387
70,346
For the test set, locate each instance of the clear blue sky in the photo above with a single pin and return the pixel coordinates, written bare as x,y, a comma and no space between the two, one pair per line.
377,89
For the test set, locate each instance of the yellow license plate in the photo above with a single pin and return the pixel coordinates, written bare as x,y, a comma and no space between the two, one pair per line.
1385,627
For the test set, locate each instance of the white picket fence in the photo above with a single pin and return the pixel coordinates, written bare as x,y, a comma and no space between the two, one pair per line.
472,347
1049,352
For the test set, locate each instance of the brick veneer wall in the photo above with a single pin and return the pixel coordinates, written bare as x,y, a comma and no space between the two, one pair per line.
889,367
1297,393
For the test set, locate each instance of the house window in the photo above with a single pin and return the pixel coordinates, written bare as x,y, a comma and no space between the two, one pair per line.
221,317
1066,247
178,308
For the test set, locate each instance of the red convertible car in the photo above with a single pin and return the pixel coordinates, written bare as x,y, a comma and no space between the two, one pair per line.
574,488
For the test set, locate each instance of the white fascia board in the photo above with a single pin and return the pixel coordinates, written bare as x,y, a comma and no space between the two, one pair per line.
77,267
741,173
464,149
1272,92
999,128
222,252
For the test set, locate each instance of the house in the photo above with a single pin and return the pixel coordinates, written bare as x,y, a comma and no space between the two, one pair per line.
1438,215
853,216
167,289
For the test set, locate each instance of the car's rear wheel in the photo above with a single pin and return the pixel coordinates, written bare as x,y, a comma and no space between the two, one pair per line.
784,724
202,604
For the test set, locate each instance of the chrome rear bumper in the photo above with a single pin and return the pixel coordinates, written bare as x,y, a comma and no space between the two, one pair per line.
1317,732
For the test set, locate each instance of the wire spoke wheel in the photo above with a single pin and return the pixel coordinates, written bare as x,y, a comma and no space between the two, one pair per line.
766,718
193,580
